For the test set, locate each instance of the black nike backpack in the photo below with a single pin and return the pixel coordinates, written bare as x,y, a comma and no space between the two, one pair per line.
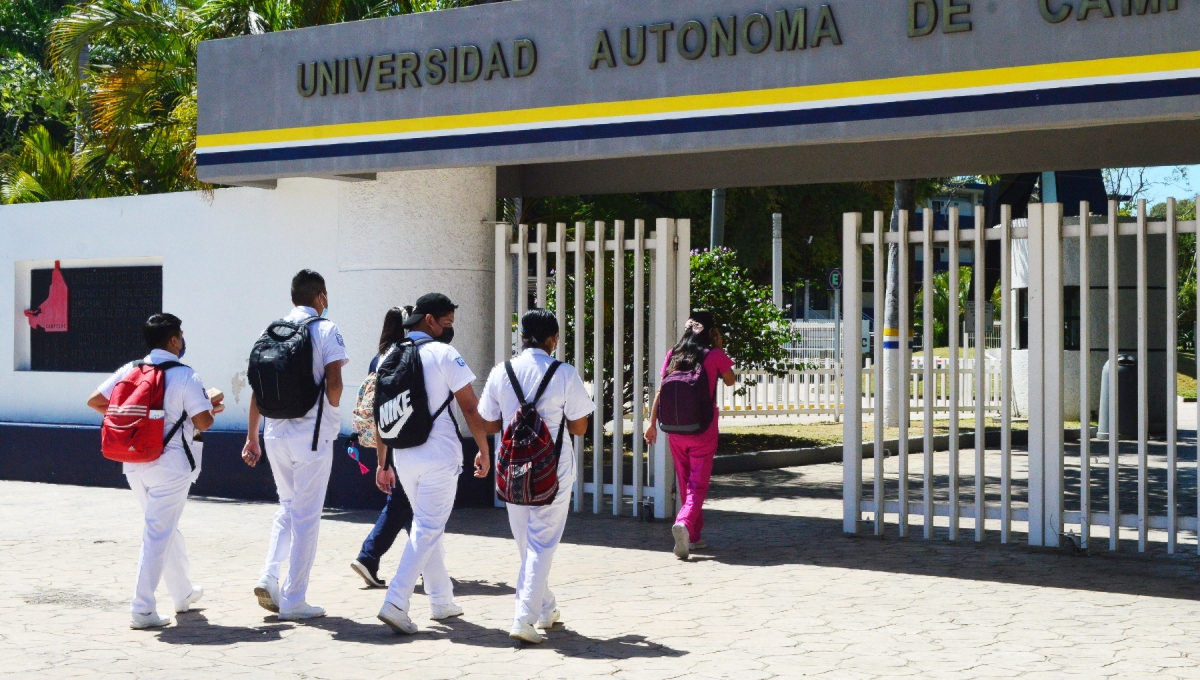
281,373
402,414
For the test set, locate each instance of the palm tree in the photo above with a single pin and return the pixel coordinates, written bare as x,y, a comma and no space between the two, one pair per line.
45,170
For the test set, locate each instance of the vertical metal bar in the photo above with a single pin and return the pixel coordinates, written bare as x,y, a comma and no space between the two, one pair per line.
1143,356
1085,355
503,308
598,371
579,323
1037,424
1114,411
560,288
904,367
540,291
1006,327
1196,336
955,398
663,323
978,276
1172,370
852,372
618,395
683,293
878,250
522,270
639,358
930,382
1053,375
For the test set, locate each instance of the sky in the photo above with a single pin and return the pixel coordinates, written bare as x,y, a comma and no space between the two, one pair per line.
1165,186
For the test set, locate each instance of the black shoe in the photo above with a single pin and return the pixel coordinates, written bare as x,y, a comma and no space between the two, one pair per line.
368,574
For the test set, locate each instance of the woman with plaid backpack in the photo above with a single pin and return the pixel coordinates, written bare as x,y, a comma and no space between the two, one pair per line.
539,403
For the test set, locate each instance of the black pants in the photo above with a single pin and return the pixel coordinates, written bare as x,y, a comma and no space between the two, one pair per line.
396,515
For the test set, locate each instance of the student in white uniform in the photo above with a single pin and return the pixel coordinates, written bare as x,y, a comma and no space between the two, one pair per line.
538,529
161,486
301,474
429,472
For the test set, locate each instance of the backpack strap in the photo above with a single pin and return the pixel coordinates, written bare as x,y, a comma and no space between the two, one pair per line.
183,439
516,384
321,389
546,380
558,445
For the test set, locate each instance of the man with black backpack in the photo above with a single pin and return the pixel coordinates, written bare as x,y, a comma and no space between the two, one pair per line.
415,383
544,402
295,370
153,411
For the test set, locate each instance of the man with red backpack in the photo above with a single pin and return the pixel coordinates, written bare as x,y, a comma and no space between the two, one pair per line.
533,474
153,409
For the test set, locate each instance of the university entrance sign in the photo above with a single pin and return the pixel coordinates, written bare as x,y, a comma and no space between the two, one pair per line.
538,83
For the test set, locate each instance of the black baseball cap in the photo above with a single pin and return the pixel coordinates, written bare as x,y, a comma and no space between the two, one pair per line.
430,303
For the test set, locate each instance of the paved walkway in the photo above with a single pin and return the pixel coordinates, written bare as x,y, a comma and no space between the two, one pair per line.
782,594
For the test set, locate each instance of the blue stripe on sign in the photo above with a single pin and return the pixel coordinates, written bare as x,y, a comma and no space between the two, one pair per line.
891,344
1083,94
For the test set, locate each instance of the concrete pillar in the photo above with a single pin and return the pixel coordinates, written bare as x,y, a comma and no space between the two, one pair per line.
777,259
410,233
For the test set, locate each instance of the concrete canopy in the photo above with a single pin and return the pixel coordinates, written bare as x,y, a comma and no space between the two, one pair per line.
596,96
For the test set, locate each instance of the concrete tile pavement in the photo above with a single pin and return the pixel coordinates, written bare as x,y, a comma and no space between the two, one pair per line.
782,593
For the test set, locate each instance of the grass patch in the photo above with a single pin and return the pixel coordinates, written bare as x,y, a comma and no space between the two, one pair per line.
1187,387
746,439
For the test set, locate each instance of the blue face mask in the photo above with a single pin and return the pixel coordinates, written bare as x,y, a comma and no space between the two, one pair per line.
324,312
182,347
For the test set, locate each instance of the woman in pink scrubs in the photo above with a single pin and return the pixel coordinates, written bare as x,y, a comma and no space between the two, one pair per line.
693,453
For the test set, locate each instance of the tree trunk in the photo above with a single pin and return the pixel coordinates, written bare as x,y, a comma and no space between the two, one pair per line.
894,375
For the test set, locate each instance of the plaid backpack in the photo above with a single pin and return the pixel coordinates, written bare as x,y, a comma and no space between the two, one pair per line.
527,462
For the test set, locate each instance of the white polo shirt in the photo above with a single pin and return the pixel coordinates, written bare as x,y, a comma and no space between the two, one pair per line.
184,392
446,372
328,347
565,395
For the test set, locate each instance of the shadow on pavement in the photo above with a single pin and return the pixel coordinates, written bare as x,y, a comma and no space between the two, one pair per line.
193,628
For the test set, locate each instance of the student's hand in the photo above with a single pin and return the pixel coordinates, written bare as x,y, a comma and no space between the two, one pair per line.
652,434
217,397
482,464
385,480
251,452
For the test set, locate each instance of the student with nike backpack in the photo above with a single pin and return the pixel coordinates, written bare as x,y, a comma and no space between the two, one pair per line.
295,370
539,402
685,408
153,410
415,383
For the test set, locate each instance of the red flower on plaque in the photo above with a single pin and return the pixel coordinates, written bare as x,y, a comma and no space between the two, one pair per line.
51,315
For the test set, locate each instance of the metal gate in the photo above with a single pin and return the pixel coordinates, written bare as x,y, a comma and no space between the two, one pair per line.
1048,514
639,289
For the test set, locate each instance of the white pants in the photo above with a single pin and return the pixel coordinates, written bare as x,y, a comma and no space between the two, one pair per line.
430,486
162,494
301,478
538,531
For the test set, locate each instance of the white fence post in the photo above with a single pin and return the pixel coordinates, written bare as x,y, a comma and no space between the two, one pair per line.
852,372
1052,420
618,392
580,326
664,338
598,371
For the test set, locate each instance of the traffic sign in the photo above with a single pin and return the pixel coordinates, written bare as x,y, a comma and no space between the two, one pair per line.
834,279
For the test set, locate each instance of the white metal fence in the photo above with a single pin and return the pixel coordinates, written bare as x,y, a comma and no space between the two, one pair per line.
1047,513
596,259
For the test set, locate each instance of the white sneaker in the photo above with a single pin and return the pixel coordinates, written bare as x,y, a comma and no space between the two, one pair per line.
267,592
144,621
698,545
525,633
680,533
446,611
302,612
197,593
547,622
396,619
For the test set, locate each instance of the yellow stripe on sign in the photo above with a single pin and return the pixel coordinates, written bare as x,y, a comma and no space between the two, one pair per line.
891,332
904,85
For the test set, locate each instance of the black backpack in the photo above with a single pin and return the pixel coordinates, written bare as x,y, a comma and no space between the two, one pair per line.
281,373
402,414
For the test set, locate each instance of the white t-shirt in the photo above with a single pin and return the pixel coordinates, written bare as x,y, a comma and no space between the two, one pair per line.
184,392
565,394
328,347
446,372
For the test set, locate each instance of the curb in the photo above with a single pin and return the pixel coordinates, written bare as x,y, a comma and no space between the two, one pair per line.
783,458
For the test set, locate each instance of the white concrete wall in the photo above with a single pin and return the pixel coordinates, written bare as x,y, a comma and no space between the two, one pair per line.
227,264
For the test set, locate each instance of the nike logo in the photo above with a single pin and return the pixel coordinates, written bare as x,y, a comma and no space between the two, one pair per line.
394,413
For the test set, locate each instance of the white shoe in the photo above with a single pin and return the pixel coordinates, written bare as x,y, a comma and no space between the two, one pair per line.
525,633
197,593
267,592
698,545
302,612
547,622
446,611
396,619
144,621
680,533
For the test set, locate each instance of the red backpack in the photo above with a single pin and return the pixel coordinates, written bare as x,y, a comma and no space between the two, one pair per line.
527,463
133,426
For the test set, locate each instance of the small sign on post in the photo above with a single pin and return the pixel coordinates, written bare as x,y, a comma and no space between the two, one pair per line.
834,279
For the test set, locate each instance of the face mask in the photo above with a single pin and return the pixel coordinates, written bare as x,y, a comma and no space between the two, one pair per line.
324,312
447,335
182,347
